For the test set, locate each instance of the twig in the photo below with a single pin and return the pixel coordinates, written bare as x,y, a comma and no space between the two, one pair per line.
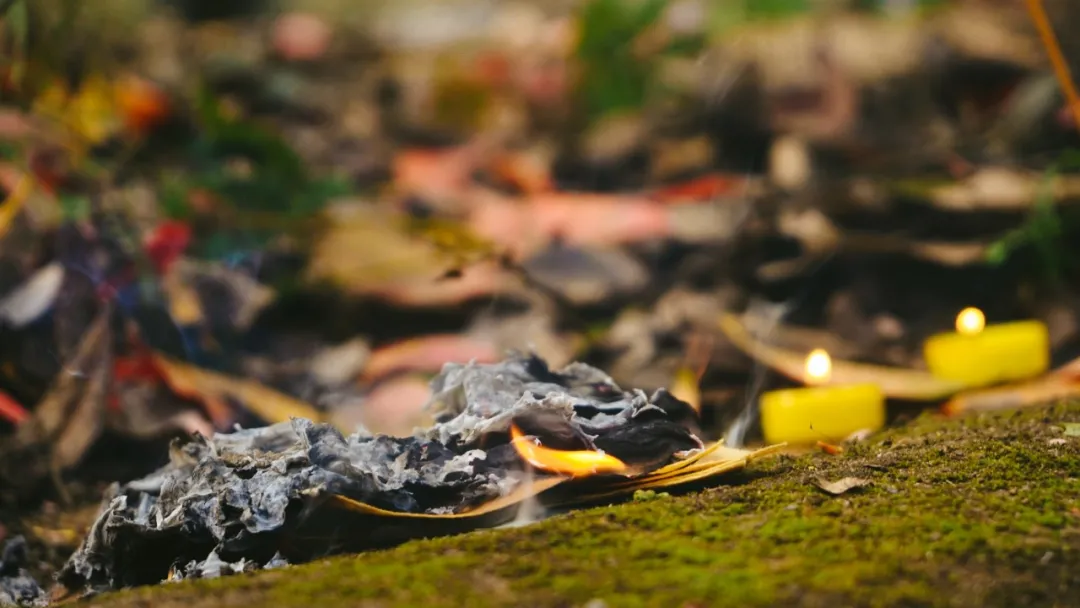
1061,68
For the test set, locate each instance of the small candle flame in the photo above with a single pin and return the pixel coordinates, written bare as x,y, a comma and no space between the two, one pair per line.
818,366
970,321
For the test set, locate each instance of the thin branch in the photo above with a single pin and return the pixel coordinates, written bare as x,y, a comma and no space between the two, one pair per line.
1061,68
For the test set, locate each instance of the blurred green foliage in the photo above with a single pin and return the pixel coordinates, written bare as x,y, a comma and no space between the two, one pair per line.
1044,229
278,180
727,14
275,194
44,39
615,76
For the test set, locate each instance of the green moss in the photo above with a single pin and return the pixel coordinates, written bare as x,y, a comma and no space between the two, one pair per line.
979,511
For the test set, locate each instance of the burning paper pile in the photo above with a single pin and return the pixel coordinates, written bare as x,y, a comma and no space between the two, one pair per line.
503,434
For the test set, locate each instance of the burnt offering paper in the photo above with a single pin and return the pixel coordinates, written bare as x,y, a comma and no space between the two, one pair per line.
299,490
17,587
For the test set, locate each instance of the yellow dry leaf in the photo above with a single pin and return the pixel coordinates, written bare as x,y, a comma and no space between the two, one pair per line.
715,456
90,113
184,305
52,101
895,382
14,202
685,387
96,116
1025,394
200,384
364,250
691,459
453,240
719,462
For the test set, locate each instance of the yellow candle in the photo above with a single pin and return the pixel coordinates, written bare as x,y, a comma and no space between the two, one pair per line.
820,413
978,355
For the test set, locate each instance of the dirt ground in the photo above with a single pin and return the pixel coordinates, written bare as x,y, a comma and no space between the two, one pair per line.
979,511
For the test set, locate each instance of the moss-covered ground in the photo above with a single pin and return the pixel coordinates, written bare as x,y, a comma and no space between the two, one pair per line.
983,511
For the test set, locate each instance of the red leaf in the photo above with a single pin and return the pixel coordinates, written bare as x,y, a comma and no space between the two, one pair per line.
167,243
11,410
700,189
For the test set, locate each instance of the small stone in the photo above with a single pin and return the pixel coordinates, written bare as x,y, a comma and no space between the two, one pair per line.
841,486
789,163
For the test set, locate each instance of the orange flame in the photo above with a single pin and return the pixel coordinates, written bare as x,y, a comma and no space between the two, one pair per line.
576,463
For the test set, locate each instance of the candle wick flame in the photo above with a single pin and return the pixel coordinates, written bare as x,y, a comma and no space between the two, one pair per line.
818,366
970,321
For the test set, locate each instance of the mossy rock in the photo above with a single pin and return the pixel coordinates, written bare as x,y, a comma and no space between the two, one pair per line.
983,511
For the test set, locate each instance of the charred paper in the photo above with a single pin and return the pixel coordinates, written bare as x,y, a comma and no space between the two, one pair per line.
299,490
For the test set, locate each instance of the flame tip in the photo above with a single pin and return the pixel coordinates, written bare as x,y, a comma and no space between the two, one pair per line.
576,463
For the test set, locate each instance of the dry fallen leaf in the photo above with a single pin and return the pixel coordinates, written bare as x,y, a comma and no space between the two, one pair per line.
86,422
395,406
1070,370
1060,383
1072,429
53,413
1025,394
90,112
214,388
1001,188
365,251
895,382
428,354
685,387
18,193
840,486
716,460
955,254
68,419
